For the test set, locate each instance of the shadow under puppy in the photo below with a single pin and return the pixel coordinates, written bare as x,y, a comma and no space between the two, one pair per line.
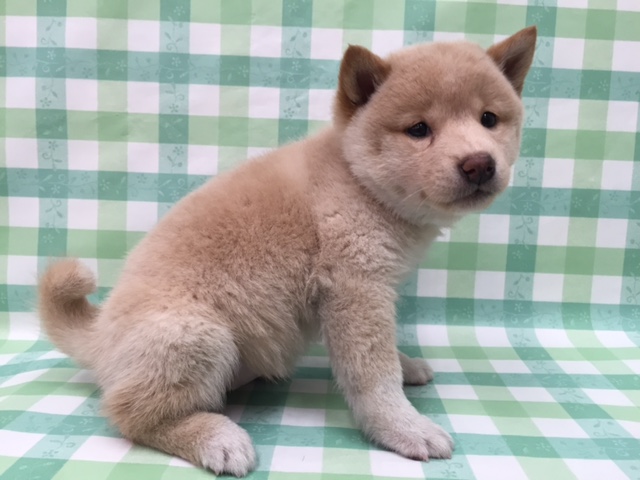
307,241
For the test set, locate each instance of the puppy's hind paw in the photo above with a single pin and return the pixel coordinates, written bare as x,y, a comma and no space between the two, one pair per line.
416,371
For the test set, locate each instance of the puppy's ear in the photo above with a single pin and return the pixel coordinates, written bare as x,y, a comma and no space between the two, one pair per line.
361,73
514,56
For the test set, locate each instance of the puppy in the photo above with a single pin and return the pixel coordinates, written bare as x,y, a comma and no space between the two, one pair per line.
306,242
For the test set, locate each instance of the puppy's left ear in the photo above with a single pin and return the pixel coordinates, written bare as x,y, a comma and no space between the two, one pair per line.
514,56
361,73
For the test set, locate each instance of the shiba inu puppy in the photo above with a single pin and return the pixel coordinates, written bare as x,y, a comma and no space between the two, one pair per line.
306,242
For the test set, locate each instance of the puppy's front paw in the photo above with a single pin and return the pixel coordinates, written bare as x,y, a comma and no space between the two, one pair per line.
421,439
416,371
230,451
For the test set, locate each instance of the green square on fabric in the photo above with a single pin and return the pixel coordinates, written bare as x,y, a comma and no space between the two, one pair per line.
206,11
571,22
388,14
480,18
626,26
601,24
509,18
358,14
20,7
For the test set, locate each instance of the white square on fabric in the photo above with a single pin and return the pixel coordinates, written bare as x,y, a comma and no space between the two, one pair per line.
266,41
21,379
509,366
143,36
21,152
296,459
141,216
492,337
563,113
606,289
614,398
584,468
442,365
432,335
57,404
475,424
204,38
432,283
204,100
143,157
25,325
264,102
628,5
102,449
612,232
489,285
568,53
83,155
384,42
485,467
82,94
553,338
303,417
574,367
622,116
625,56
553,231
456,392
21,31
321,104
17,444
22,269
547,287
388,464
81,32
559,428
531,394
82,214
143,97
494,229
326,43
614,339
20,92
557,173
617,175
24,212
203,160
632,427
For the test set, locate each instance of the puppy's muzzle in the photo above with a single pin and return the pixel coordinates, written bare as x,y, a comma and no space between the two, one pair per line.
478,168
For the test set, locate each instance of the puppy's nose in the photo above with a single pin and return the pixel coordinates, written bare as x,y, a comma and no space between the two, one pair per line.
478,168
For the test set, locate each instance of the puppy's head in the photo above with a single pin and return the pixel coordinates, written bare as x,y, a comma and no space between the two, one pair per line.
433,130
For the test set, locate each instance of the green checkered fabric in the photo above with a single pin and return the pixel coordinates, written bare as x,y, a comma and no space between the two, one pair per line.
112,110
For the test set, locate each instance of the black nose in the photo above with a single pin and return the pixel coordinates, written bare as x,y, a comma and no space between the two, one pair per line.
478,168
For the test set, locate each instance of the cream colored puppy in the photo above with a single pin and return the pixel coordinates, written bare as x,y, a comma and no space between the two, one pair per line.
305,242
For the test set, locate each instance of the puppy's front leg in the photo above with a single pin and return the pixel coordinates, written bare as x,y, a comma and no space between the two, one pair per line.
359,328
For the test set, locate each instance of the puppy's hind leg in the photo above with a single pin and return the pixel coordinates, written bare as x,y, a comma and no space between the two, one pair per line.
165,395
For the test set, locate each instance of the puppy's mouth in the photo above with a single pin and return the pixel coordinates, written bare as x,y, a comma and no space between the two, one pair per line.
476,197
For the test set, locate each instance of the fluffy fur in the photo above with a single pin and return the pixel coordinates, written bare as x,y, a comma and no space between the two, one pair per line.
305,242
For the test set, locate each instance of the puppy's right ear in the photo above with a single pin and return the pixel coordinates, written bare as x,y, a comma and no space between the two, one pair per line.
361,73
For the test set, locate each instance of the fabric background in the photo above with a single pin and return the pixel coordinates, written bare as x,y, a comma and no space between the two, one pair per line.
529,313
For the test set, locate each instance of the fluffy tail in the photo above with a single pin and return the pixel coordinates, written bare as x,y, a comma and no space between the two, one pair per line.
67,315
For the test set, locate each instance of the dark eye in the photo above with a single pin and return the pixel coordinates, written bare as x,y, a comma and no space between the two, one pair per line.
419,130
489,120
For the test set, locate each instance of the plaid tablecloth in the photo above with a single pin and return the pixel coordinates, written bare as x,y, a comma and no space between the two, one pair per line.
529,313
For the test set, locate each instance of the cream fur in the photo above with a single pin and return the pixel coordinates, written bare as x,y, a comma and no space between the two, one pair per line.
305,242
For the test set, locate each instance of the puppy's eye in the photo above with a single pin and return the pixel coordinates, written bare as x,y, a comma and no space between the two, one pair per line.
419,130
489,120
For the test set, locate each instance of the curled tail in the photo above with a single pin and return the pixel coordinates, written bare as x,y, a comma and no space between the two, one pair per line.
67,315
